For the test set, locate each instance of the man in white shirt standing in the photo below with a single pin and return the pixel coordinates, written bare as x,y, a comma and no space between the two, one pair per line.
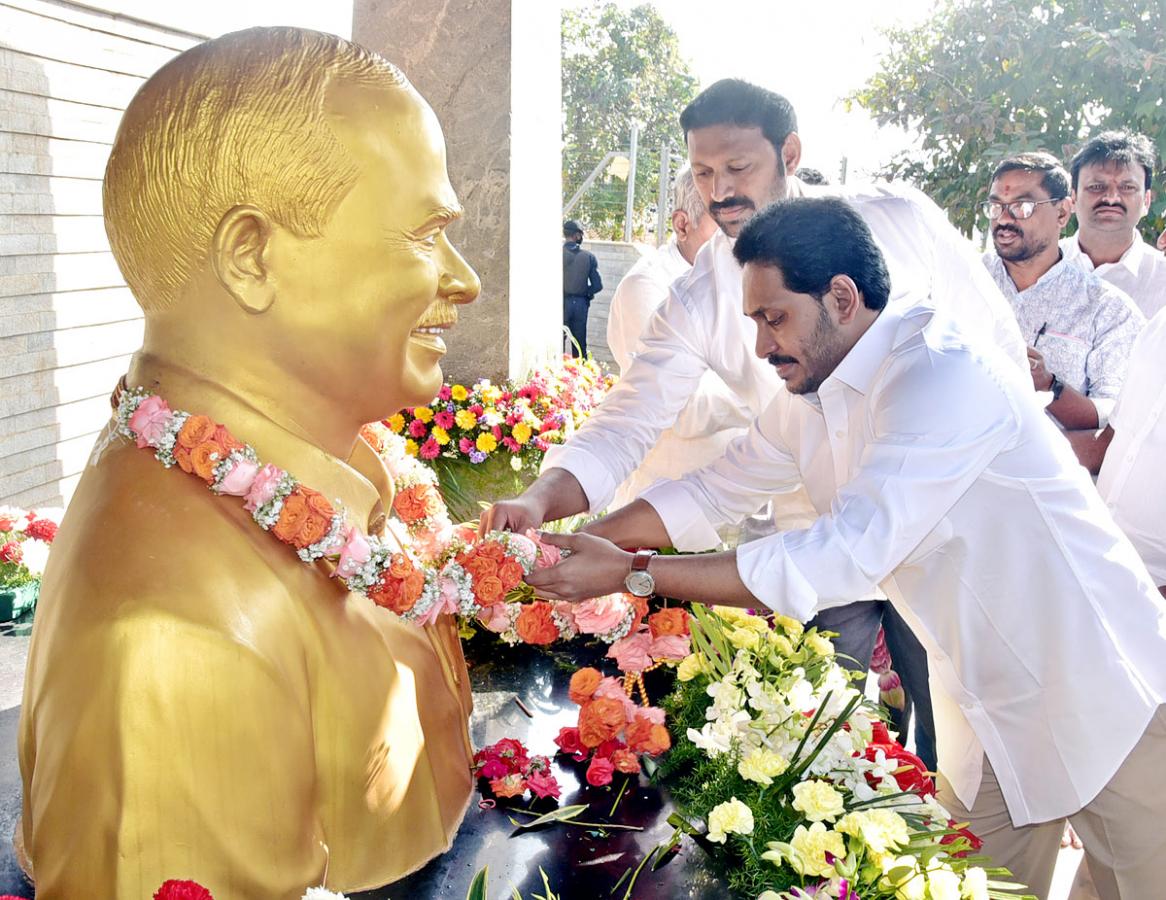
1080,329
743,147
1133,477
938,475
1112,175
713,416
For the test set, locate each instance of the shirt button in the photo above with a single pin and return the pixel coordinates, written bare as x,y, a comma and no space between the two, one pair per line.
839,434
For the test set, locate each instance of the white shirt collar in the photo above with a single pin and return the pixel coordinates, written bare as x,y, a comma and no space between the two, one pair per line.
1130,260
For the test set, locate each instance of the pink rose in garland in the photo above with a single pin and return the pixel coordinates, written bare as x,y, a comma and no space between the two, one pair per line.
600,614
263,488
150,421
239,480
633,653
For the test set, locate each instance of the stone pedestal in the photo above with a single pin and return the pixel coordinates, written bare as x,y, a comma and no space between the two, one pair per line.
490,69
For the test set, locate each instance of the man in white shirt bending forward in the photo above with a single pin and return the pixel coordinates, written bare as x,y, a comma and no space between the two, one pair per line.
938,476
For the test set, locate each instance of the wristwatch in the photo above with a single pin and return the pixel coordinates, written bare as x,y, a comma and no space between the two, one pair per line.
1056,386
640,582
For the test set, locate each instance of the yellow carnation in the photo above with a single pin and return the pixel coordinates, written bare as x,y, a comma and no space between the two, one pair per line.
440,435
910,883
880,829
975,883
522,432
793,626
809,848
691,666
458,392
818,801
781,644
396,423
942,882
820,645
730,817
762,766
465,419
424,413
744,638
486,442
731,614
411,447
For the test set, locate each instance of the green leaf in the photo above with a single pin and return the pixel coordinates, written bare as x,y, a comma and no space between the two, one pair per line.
477,889
562,814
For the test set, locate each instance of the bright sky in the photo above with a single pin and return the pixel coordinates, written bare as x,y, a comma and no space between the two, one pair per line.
812,52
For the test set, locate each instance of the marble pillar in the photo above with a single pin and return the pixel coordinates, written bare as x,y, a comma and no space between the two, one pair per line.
491,71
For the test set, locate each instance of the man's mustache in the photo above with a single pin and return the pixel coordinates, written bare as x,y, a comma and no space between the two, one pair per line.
731,203
1016,231
1120,206
776,359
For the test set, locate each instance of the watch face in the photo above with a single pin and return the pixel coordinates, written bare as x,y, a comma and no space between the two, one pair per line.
640,583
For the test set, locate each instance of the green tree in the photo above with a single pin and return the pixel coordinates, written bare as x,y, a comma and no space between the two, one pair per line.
619,66
982,79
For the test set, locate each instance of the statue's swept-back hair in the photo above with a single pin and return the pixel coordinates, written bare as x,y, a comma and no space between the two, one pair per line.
239,119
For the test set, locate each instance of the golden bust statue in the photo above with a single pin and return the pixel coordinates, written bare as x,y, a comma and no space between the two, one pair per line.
199,702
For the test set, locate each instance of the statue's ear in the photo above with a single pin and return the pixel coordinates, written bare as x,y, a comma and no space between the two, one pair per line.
238,253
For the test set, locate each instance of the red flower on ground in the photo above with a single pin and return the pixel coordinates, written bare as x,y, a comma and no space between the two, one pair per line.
600,771
182,890
569,743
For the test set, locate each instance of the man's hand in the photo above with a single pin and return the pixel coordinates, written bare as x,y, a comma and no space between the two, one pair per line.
518,514
1042,378
591,567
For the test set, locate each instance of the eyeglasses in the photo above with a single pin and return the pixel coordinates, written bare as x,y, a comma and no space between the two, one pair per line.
1018,209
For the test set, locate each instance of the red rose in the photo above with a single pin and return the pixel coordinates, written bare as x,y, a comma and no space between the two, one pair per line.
43,530
182,890
569,743
600,771
11,552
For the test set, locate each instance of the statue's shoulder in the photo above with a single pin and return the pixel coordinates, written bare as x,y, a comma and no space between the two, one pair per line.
143,542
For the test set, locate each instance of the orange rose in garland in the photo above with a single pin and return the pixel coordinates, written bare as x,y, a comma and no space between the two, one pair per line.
536,625
291,517
583,685
195,430
489,590
205,457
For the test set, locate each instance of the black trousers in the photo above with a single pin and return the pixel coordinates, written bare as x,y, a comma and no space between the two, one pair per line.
575,309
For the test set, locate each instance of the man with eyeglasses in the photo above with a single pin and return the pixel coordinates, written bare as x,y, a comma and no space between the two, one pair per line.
1079,328
1112,174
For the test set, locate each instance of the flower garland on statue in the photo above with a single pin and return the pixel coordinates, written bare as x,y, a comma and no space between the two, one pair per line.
420,572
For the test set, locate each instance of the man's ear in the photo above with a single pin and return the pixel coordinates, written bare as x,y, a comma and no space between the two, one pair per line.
845,298
791,152
238,252
1064,212
680,224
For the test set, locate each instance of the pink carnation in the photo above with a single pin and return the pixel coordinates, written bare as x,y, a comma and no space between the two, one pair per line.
239,479
612,689
653,714
631,653
549,554
600,614
263,487
150,421
495,618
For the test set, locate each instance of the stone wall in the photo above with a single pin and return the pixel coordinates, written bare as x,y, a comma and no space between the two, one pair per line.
615,258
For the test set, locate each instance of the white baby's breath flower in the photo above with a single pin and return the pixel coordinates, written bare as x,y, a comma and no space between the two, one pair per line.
319,893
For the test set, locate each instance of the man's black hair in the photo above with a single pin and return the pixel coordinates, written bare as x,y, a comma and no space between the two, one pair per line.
732,101
1054,178
1117,148
812,239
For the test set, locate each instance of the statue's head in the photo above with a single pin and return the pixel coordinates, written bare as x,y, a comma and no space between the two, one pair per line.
286,190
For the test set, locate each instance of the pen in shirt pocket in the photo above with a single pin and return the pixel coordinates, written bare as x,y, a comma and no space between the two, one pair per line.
1040,333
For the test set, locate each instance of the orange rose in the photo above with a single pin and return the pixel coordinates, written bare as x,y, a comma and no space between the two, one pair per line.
372,438
411,504
400,565
291,517
583,685
640,605
318,503
195,430
225,439
314,528
389,594
492,550
644,737
535,625
668,622
600,720
205,457
511,574
488,590
413,586
480,567
182,457
625,761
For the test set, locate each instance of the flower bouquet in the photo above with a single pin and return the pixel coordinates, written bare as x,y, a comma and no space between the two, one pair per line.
25,538
487,440
782,762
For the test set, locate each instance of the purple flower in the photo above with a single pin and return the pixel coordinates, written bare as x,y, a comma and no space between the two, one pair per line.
477,456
